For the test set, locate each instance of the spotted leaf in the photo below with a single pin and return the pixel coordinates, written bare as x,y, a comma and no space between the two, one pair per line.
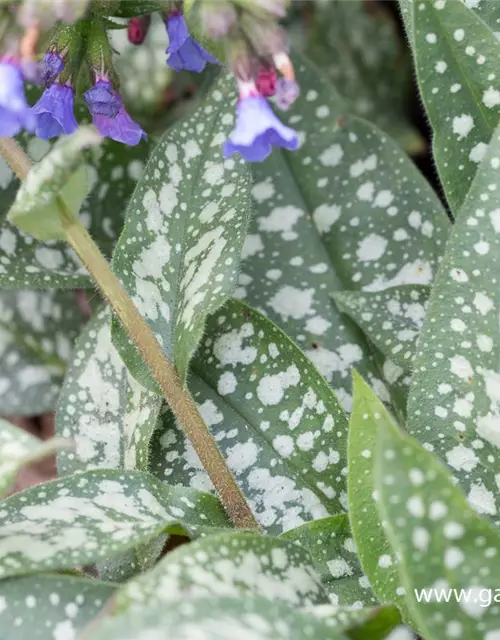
19,448
215,617
456,61
230,564
360,48
273,416
37,331
390,319
330,543
54,187
113,170
441,541
489,12
361,624
454,406
108,415
376,555
93,516
49,607
346,211
178,256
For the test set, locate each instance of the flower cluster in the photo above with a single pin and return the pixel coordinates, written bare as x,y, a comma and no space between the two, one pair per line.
257,129
257,57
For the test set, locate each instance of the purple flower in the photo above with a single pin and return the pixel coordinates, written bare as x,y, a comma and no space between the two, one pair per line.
257,131
120,127
102,99
109,115
287,92
50,67
15,114
54,112
185,52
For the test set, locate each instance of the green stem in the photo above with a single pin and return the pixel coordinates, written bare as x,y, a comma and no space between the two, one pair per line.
179,398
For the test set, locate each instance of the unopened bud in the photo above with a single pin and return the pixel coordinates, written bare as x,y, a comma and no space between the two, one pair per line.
138,28
240,60
267,38
218,18
265,8
266,81
287,92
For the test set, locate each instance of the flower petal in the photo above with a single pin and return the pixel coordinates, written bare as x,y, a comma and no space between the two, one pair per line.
120,128
54,112
258,130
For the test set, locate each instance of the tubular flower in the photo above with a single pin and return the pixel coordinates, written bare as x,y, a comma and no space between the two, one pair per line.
102,99
287,92
50,67
257,129
54,112
110,116
184,52
15,113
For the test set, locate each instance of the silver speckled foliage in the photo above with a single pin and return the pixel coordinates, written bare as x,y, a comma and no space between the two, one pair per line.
269,343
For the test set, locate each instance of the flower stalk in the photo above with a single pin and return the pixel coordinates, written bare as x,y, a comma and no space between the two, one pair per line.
178,397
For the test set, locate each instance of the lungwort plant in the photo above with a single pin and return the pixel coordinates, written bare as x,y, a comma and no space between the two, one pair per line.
271,345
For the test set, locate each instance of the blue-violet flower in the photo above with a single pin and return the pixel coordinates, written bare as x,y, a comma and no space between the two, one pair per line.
184,52
50,67
15,113
287,92
102,99
109,115
258,130
54,112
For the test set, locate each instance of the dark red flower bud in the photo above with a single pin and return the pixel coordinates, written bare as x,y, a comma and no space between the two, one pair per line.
266,81
138,29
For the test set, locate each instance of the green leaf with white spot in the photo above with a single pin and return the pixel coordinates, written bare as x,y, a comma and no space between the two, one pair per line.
37,332
330,543
273,417
361,624
376,555
346,211
54,188
18,448
49,607
108,415
140,420
441,541
391,319
216,617
454,405
230,564
456,58
178,256
113,169
92,402
359,46
93,516
488,11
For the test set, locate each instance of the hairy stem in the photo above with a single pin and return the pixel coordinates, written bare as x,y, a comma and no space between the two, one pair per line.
15,156
179,398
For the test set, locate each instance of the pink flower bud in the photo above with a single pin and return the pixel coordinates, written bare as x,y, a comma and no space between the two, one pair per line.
137,29
266,81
